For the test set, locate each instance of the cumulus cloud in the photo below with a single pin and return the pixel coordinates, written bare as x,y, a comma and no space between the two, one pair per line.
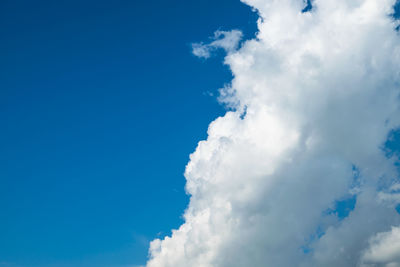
227,40
314,97
384,249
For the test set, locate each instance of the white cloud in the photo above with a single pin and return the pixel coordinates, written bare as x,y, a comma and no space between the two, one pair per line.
384,249
227,40
315,94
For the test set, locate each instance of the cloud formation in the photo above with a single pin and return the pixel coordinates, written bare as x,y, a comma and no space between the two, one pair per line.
315,96
227,40
384,249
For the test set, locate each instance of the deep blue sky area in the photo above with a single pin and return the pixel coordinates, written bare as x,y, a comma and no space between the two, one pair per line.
101,103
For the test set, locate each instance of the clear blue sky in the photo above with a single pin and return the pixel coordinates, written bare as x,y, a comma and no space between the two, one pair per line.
101,103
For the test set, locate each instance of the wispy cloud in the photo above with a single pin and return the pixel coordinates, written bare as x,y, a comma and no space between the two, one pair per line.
227,40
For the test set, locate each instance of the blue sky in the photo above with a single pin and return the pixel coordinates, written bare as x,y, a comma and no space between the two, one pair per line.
101,102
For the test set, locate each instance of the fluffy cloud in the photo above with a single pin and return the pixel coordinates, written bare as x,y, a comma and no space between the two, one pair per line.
384,249
315,96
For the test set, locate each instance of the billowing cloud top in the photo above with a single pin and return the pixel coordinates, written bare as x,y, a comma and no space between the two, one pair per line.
315,95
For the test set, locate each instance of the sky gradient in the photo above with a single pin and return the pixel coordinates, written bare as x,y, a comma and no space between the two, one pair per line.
101,103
